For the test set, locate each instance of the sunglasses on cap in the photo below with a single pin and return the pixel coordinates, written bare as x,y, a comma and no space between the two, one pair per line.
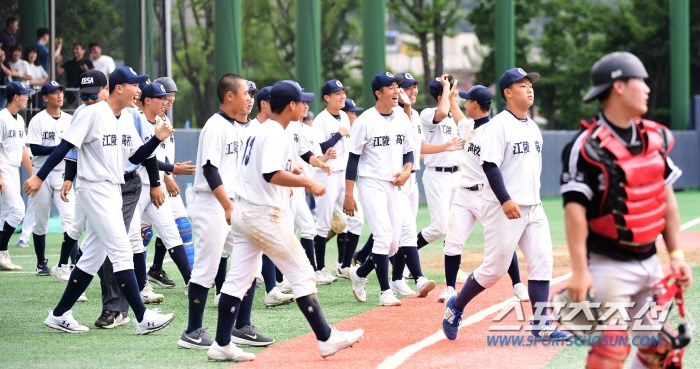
86,97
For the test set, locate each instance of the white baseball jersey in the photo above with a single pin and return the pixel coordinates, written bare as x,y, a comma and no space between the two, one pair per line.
439,133
470,161
515,146
166,150
326,125
266,151
44,130
308,134
219,144
300,144
381,142
419,137
104,142
12,143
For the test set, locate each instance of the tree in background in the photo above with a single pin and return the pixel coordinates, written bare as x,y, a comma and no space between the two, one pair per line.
428,20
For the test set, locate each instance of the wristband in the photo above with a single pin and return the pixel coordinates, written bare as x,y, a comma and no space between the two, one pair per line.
678,254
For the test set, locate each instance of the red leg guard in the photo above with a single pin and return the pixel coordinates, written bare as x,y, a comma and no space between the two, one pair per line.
660,357
607,356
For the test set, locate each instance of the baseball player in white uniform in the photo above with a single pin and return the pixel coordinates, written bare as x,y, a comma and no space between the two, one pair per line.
381,160
42,138
12,154
511,157
466,209
259,225
332,127
106,138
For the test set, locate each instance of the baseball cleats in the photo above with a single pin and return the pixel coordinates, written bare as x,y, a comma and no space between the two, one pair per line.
446,294
277,298
153,321
22,243
338,341
250,336
356,261
62,273
6,262
228,353
65,323
358,285
388,298
341,272
197,339
82,298
216,300
549,330
187,288
285,286
321,277
110,319
451,319
401,287
424,286
150,297
43,269
462,276
520,291
160,278
328,275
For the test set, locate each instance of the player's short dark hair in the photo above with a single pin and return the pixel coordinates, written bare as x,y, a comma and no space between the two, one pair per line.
605,94
93,44
29,50
9,21
79,44
40,32
228,82
279,109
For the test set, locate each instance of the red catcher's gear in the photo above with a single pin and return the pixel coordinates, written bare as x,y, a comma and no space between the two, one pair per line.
633,205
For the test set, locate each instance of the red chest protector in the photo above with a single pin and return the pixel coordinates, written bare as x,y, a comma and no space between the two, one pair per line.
633,205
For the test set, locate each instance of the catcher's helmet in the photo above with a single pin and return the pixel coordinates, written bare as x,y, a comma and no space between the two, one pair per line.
167,83
610,68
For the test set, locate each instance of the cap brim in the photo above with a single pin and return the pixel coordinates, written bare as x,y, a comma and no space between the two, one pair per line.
399,80
307,97
25,91
90,90
137,79
464,95
595,91
255,91
533,77
357,108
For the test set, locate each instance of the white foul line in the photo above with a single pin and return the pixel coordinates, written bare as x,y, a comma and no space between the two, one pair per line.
8,272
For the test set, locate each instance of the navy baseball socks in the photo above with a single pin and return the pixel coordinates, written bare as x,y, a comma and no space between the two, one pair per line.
77,284
351,241
197,297
320,250
514,270
140,270
159,255
221,274
7,231
451,269
179,257
40,249
340,239
246,307
381,264
308,246
69,249
229,307
269,273
311,308
366,251
421,241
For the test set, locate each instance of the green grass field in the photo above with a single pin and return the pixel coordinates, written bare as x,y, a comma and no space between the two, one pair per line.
26,298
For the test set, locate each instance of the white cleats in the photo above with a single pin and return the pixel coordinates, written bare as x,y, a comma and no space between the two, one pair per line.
277,298
424,286
328,275
285,286
462,276
406,273
82,298
153,321
338,341
341,272
321,277
401,287
446,294
150,297
520,291
230,352
65,323
216,300
358,285
6,262
388,298
62,273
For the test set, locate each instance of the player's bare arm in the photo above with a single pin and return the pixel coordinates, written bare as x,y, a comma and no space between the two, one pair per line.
184,169
671,235
402,177
576,233
406,101
330,154
27,161
320,164
171,186
454,104
157,196
220,194
443,106
349,204
163,130
511,209
286,179
453,144
297,168
67,185
343,131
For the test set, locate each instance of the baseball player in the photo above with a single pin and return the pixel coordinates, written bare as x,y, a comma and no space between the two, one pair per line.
511,157
333,126
12,155
351,110
259,226
617,183
166,158
381,160
106,138
27,222
42,138
466,209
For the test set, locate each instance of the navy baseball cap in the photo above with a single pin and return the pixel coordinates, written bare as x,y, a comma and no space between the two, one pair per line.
514,75
92,82
154,90
284,92
15,88
408,80
350,106
51,87
264,93
435,88
333,86
125,75
142,85
252,88
384,79
478,93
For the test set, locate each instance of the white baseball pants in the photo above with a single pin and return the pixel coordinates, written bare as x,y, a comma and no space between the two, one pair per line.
51,191
380,200
12,207
464,213
440,191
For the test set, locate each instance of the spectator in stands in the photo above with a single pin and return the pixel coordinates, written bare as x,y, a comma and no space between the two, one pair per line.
42,52
18,66
7,36
35,70
72,70
86,65
103,63
5,74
